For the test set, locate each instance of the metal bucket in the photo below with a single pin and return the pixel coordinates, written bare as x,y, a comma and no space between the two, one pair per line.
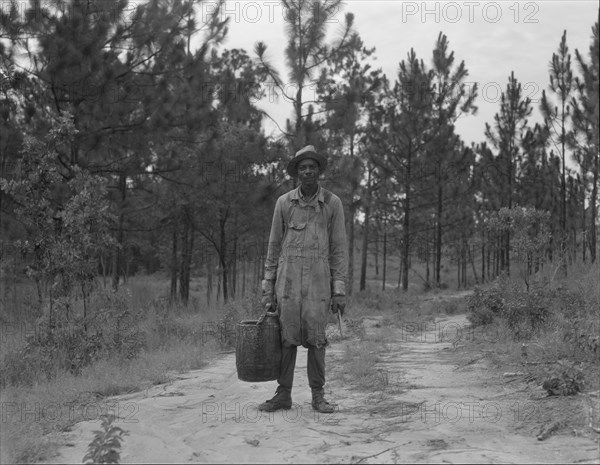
258,349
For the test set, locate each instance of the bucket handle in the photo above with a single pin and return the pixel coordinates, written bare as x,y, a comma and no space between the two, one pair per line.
261,319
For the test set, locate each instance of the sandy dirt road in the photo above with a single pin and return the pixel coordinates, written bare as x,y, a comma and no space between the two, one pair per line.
436,404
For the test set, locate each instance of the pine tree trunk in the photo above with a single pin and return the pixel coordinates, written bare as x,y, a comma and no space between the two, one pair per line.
483,258
438,232
406,231
458,269
377,248
187,240
497,253
244,263
365,242
209,280
365,246
174,264
219,279
223,260
507,253
102,261
427,272
384,254
464,264
472,260
116,258
594,210
116,261
400,268
563,209
583,218
234,267
488,255
351,248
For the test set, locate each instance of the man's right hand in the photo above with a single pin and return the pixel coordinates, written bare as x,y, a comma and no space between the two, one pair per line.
268,291
267,302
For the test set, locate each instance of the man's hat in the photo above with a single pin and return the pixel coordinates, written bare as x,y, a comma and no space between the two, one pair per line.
306,152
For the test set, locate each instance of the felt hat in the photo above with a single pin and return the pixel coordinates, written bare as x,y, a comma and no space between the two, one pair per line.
302,154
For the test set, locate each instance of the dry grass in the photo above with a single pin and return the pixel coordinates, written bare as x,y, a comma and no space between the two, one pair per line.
174,339
371,331
33,415
177,338
563,353
357,367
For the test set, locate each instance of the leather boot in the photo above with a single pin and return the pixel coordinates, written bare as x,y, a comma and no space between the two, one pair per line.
319,403
281,400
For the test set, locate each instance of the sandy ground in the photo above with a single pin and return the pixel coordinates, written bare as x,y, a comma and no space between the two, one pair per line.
435,404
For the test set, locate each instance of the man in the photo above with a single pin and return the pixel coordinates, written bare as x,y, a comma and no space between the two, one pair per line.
305,274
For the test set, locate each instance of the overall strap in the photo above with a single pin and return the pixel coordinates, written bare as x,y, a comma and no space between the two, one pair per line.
286,224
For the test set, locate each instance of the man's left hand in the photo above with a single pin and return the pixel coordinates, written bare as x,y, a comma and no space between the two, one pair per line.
339,304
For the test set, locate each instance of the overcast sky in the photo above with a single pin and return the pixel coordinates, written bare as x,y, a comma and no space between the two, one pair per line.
493,39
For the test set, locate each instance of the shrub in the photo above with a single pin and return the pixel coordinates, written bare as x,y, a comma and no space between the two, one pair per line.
485,304
526,312
62,341
580,326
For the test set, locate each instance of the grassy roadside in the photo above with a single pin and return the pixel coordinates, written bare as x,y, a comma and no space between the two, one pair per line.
44,392
546,340
371,332
546,328
163,340
542,347
32,415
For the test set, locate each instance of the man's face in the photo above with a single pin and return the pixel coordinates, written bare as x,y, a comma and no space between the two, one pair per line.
308,171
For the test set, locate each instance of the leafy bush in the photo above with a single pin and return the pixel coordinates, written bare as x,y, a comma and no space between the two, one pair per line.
581,325
485,304
62,341
526,312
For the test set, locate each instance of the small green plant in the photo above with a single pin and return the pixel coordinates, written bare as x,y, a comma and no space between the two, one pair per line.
106,445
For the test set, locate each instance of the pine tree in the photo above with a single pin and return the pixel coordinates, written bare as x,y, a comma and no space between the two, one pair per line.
585,137
118,72
405,119
346,87
510,127
307,51
557,119
453,99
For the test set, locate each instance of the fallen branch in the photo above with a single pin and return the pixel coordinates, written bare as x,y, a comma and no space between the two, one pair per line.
546,432
378,453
